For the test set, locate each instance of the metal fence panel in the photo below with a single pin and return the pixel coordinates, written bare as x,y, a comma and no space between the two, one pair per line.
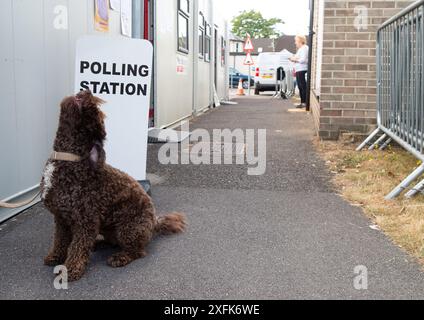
400,77
400,91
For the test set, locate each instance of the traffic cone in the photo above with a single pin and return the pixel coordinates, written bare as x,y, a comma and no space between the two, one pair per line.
240,91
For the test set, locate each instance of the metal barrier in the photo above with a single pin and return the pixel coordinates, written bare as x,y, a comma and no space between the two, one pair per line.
284,84
400,91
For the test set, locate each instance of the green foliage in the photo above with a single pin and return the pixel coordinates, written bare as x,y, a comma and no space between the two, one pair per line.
253,23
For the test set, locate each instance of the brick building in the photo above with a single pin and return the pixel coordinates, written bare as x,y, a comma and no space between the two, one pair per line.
343,87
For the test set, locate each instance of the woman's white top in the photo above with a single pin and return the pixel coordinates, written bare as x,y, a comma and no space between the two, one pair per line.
303,56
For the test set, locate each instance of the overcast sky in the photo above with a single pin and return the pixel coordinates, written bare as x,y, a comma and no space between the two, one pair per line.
295,13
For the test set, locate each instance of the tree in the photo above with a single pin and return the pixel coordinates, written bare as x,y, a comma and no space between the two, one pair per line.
253,23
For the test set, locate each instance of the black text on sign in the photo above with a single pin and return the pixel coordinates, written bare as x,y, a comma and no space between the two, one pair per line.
132,71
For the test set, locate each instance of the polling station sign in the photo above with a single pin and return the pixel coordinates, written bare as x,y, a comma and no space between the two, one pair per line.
119,71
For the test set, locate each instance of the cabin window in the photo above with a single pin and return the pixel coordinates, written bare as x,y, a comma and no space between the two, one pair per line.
223,51
208,41
201,36
183,25
184,6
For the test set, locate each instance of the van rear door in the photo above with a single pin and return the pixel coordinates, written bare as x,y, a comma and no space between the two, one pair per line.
267,65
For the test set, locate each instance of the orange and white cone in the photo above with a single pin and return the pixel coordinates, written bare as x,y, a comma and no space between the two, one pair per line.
240,91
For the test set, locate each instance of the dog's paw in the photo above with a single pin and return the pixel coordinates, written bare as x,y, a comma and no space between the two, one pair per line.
119,260
122,259
74,275
53,261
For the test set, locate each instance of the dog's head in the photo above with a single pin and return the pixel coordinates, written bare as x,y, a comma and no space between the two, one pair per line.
81,126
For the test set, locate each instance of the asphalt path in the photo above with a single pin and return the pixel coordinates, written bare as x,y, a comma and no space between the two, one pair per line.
286,234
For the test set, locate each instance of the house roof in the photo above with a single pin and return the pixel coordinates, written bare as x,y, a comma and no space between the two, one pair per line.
286,42
234,37
269,45
277,45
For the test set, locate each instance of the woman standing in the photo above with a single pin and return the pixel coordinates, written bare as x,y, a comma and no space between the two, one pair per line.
301,60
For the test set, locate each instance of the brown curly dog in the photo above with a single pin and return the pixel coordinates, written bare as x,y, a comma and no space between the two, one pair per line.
89,198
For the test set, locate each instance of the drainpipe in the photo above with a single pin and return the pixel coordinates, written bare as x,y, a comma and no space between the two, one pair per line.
311,43
137,18
196,49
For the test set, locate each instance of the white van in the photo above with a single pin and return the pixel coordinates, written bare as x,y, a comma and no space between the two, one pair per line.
266,69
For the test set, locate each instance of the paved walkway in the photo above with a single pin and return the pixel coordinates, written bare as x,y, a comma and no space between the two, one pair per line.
283,235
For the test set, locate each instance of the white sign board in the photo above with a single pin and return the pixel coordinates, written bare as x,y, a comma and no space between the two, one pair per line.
285,55
118,70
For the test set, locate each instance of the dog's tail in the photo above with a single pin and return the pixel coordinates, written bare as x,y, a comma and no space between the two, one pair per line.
172,223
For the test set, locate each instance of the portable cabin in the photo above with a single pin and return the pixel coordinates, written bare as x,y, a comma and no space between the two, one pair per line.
190,45
37,58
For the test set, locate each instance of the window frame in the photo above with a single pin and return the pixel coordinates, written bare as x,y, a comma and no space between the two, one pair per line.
183,14
208,42
201,32
223,52
181,9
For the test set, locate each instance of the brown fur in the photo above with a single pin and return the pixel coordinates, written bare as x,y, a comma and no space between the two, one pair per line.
90,198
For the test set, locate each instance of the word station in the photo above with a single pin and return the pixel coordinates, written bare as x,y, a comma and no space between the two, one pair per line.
113,69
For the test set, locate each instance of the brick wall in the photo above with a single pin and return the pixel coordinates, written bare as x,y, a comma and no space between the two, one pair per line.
348,79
